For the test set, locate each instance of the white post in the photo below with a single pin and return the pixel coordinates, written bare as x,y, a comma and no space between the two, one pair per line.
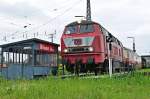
110,67
110,61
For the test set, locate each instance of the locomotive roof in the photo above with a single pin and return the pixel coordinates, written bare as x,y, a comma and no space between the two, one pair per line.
82,22
127,49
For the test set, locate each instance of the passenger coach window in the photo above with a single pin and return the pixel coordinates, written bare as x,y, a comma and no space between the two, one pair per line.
86,28
71,29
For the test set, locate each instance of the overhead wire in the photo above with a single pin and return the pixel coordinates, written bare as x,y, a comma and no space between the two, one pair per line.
49,21
63,6
68,9
3,18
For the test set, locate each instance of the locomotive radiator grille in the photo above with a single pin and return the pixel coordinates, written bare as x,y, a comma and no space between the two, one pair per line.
79,49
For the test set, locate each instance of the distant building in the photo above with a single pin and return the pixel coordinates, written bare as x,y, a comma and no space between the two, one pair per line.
145,61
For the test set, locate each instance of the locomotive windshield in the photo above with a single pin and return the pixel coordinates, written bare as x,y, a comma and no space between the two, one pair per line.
86,28
71,29
82,28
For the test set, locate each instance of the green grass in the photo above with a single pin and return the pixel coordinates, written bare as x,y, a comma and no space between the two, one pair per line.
125,87
144,70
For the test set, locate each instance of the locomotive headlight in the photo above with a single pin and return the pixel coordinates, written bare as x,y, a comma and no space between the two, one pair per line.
65,50
91,49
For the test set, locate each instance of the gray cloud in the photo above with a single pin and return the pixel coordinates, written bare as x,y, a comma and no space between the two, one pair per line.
19,10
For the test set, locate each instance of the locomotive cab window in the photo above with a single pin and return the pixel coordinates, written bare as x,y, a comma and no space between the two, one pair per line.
86,28
71,29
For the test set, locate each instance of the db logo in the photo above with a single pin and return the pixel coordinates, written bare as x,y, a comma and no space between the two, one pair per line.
77,41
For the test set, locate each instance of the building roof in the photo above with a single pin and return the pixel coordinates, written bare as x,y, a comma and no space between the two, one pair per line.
27,41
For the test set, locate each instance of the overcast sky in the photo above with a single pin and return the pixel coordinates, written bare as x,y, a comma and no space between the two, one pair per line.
122,18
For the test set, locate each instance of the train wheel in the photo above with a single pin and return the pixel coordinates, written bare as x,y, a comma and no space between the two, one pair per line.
100,68
83,68
76,69
95,69
70,68
88,67
106,65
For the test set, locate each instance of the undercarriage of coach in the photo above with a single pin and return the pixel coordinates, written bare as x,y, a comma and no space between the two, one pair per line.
100,68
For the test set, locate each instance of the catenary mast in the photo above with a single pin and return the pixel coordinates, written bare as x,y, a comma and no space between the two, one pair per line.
88,12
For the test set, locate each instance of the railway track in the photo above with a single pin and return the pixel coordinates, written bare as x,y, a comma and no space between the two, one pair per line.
79,75
91,75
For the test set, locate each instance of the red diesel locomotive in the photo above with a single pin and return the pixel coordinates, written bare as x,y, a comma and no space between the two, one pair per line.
88,46
85,47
